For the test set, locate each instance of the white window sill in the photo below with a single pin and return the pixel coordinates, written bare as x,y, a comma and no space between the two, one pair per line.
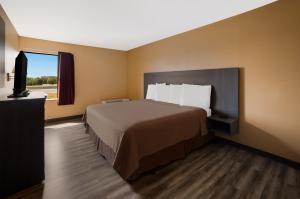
53,99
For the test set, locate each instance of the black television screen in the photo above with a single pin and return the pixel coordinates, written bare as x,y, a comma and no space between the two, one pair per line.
20,75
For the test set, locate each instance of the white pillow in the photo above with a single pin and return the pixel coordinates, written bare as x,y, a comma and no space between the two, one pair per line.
151,92
175,93
196,95
162,92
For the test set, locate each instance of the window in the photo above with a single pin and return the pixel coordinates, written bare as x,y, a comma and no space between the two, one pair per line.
42,73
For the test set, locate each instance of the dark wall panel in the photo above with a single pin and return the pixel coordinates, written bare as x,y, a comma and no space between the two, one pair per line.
225,86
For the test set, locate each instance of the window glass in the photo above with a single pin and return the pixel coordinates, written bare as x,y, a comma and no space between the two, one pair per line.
42,73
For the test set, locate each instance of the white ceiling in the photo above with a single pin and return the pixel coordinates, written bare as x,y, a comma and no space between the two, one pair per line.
118,24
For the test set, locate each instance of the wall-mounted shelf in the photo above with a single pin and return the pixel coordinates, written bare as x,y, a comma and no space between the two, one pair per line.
223,124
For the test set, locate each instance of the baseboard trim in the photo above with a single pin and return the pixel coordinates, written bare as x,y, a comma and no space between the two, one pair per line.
60,119
280,159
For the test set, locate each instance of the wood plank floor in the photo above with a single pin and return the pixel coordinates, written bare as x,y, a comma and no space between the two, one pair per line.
75,170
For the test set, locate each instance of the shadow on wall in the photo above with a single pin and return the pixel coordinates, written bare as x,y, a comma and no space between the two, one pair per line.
281,147
2,52
251,132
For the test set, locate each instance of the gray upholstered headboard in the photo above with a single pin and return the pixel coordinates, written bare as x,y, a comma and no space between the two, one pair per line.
224,81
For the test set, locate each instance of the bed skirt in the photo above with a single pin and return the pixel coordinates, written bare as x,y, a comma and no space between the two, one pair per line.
152,161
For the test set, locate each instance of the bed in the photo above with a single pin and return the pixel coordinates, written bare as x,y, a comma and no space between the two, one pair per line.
130,131
139,135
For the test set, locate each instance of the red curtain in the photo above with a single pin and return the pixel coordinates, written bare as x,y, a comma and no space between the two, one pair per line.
66,82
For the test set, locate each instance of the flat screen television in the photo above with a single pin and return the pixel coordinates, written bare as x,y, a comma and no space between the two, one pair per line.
20,76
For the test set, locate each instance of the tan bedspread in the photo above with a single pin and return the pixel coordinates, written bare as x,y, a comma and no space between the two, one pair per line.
136,129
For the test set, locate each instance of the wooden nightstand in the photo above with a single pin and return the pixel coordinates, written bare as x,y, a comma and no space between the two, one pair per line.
223,124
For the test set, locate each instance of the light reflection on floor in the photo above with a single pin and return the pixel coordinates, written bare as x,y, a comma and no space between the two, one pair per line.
63,125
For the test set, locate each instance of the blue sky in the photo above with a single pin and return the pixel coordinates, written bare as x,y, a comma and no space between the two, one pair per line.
41,65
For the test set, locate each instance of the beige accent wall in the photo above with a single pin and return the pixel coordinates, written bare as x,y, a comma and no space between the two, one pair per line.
99,74
11,51
265,44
